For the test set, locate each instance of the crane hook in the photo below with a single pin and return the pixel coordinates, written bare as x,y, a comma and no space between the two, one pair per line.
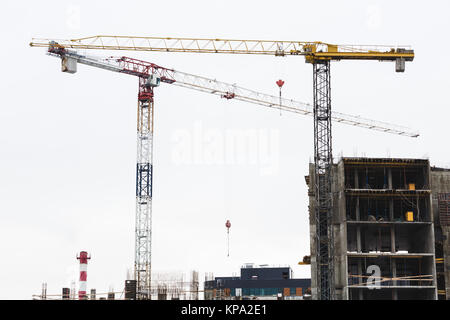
280,85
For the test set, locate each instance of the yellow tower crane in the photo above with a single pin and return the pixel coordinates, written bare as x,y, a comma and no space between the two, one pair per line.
319,54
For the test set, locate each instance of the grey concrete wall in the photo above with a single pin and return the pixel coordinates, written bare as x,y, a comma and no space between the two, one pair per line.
340,232
312,232
440,183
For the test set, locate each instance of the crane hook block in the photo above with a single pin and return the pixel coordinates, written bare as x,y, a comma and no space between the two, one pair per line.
68,64
280,83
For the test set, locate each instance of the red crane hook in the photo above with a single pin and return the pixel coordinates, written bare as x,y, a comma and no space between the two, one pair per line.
228,225
280,84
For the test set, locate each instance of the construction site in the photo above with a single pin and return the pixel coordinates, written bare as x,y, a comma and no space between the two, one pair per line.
379,219
254,205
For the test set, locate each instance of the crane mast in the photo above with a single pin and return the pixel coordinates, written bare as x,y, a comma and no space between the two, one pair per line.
319,54
144,160
144,179
323,160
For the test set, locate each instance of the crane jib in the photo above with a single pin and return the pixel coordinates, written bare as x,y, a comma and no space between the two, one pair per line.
222,89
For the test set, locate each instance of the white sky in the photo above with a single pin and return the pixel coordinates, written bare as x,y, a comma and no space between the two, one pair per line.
68,142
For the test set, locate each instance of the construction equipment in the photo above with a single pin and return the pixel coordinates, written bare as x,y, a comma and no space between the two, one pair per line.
228,225
224,90
319,54
306,261
280,84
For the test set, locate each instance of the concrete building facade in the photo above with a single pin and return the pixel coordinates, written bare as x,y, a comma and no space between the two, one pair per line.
383,230
440,189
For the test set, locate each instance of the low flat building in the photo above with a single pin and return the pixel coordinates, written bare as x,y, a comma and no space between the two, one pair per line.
258,282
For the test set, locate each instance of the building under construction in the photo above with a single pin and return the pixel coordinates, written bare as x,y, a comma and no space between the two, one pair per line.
390,222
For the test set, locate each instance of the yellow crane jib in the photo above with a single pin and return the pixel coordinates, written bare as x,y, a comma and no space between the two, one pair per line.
314,52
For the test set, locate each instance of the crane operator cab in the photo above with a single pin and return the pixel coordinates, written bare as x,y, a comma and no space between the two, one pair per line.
153,81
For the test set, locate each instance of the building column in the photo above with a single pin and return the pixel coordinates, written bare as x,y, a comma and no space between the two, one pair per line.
357,210
392,239
394,271
391,209
358,238
394,282
390,178
418,208
360,279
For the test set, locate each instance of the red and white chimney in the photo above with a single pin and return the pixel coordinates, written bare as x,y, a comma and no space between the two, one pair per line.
83,257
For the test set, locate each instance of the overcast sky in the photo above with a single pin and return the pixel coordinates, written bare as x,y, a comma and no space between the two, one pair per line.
68,142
